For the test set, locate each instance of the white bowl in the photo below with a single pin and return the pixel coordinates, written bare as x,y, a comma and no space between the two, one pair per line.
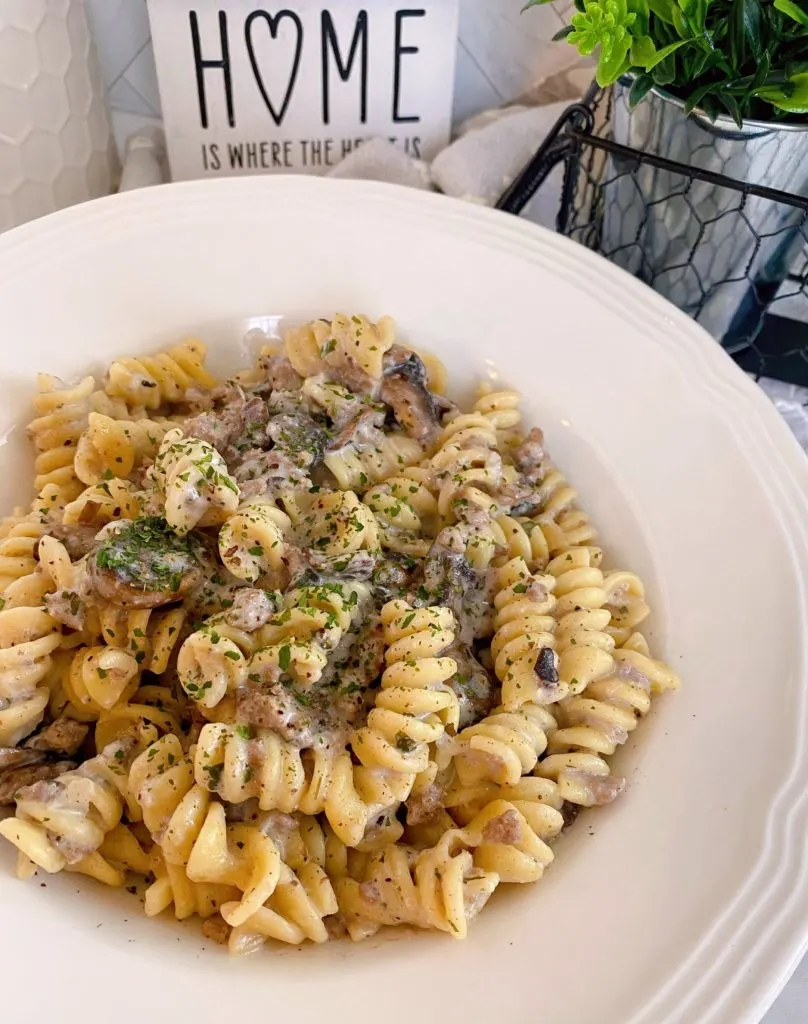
686,901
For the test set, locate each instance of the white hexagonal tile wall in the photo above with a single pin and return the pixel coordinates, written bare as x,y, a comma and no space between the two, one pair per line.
55,143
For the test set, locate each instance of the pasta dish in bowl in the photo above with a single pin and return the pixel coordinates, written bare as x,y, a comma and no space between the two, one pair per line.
311,649
321,626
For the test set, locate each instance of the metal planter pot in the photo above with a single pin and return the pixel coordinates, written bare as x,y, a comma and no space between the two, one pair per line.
715,252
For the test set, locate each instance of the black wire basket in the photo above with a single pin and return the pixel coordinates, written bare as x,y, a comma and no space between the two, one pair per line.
606,183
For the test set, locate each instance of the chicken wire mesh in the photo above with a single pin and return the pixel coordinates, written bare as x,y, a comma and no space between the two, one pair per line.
730,251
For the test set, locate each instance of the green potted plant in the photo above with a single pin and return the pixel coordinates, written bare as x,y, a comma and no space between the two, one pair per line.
721,85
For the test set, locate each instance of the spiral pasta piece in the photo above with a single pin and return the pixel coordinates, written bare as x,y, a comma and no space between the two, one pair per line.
470,474
439,888
172,807
99,677
625,599
523,643
151,712
102,503
500,408
292,914
356,471
62,823
115,408
516,838
28,638
61,417
213,662
502,747
318,346
240,855
253,540
113,447
414,706
523,538
122,850
405,509
152,381
173,888
18,548
363,341
298,640
595,723
149,635
583,644
465,430
238,763
562,522
338,523
304,345
193,479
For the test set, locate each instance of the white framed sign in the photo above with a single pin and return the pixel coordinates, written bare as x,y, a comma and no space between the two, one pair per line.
251,88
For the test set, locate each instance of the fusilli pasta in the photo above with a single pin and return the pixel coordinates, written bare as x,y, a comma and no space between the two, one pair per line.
168,377
321,651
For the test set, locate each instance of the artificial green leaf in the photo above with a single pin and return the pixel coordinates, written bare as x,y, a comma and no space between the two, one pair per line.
704,62
643,51
663,54
604,25
762,71
710,106
663,9
640,88
752,24
696,97
730,104
745,58
665,71
563,33
793,99
642,21
695,12
680,23
792,10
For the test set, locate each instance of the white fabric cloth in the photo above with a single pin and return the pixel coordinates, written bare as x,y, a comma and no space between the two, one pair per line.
380,160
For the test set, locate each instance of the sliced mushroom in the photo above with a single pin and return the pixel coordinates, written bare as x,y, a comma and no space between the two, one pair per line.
77,539
396,575
18,757
143,564
307,566
404,389
299,437
363,433
450,580
64,736
476,690
14,779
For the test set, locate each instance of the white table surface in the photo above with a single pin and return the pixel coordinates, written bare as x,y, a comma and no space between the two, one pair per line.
792,1004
